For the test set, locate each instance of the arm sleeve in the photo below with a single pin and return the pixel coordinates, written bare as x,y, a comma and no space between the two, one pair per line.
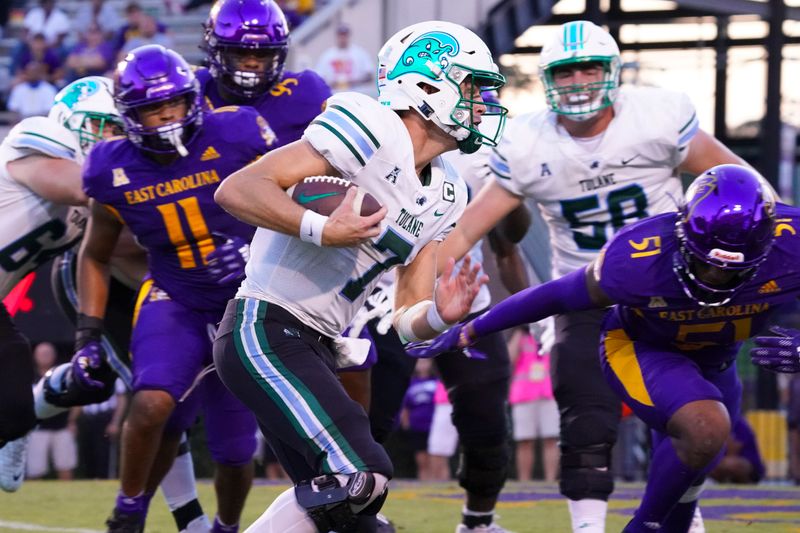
563,295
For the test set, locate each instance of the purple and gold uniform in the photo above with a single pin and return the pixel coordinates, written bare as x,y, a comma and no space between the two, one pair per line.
289,106
656,338
171,211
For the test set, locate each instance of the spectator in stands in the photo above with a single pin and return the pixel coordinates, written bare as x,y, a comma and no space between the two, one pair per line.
36,50
443,437
742,461
97,12
48,20
346,66
417,414
135,16
92,56
55,437
148,34
534,412
34,96
99,426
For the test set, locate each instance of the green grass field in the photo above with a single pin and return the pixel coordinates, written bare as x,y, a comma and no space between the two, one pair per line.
82,506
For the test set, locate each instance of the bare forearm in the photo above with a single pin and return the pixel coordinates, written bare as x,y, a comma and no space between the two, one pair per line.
259,202
93,280
456,245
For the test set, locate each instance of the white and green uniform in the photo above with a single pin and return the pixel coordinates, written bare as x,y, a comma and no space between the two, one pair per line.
589,189
274,347
32,229
370,146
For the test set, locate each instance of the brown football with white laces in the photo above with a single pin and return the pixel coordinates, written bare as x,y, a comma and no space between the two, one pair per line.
323,194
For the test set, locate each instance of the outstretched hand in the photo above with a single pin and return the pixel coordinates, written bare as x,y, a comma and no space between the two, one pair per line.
779,352
455,294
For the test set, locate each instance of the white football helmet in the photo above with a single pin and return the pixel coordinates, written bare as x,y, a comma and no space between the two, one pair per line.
580,42
441,55
86,107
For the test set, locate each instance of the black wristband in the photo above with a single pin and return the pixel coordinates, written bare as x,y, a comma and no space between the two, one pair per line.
87,328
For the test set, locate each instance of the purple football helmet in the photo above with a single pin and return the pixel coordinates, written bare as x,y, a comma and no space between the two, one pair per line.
237,29
727,222
150,75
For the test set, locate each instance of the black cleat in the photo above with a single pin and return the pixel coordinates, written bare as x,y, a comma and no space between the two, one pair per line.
125,523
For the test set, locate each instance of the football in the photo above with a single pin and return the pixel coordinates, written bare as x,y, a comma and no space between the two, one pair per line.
323,194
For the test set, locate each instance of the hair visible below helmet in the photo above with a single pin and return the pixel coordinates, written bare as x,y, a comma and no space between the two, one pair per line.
239,27
86,107
151,74
580,42
727,221
440,56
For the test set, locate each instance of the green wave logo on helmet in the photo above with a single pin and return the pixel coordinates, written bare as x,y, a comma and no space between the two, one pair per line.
433,46
77,92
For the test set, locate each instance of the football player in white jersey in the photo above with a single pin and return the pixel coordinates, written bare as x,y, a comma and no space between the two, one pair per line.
599,157
308,274
40,178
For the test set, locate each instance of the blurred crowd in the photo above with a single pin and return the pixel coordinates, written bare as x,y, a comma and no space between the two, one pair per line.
49,45
50,48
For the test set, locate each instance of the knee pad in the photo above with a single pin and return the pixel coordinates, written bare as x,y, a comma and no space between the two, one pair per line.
588,427
334,502
480,414
483,471
586,472
60,390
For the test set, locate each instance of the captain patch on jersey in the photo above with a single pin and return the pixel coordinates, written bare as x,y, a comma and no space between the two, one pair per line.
369,145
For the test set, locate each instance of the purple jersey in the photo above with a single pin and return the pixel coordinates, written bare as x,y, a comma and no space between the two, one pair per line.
289,106
419,402
171,209
636,271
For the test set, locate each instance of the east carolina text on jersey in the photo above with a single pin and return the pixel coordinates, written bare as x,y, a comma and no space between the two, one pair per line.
171,209
654,307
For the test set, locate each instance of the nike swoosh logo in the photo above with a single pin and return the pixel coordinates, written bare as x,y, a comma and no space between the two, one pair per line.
304,199
16,478
437,213
626,161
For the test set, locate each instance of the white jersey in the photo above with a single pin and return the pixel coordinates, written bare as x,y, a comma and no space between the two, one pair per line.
472,168
32,229
586,196
369,145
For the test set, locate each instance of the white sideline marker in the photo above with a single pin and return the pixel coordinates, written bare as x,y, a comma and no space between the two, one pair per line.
36,527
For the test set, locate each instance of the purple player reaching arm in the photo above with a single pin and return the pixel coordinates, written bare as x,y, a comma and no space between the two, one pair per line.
686,289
